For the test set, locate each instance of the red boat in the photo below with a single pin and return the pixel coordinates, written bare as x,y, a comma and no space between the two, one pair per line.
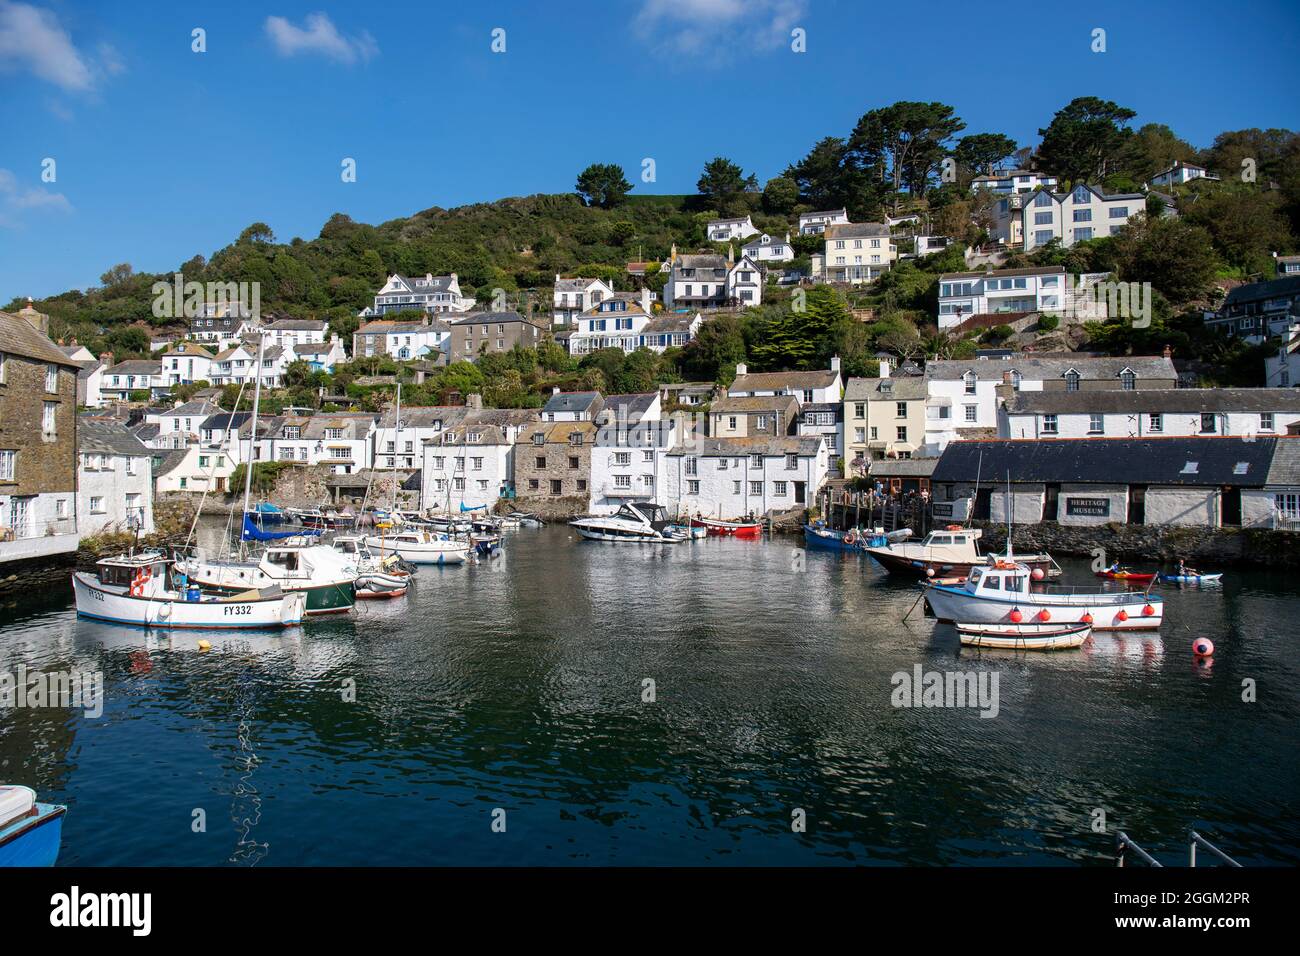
734,529
1124,574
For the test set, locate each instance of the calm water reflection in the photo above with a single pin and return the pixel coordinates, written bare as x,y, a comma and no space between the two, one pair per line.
518,685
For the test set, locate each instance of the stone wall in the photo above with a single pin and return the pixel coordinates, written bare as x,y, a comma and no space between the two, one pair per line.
1203,547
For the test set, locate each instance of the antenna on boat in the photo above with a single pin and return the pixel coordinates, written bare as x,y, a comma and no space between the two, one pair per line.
252,441
975,495
1010,518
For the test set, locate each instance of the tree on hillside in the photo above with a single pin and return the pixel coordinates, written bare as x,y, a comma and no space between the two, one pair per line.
1175,256
794,339
1245,223
257,232
780,195
603,185
1265,148
1084,140
117,275
1153,148
725,183
713,353
902,144
982,152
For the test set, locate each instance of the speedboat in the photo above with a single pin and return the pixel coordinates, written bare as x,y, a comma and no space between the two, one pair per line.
740,528
635,522
30,832
145,590
1000,593
1024,637
951,552
377,577
296,564
420,547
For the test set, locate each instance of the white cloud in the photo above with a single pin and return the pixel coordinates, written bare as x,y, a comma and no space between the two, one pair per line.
16,199
32,39
722,28
319,35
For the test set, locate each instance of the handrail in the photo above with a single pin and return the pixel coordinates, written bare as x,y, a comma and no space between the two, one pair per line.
1194,839
1123,843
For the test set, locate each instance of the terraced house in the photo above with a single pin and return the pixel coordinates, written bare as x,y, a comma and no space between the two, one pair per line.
553,460
38,441
482,332
402,340
858,252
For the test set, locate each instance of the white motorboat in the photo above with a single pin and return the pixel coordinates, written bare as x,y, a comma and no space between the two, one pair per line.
949,552
378,576
420,547
1024,637
1000,593
143,590
635,522
326,576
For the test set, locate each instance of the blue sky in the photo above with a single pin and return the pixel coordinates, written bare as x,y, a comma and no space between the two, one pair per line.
162,152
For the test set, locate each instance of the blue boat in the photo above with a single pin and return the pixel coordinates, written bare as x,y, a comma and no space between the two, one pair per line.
30,832
267,513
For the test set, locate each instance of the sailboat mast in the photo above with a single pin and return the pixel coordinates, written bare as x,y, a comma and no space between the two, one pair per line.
252,440
397,431
1010,518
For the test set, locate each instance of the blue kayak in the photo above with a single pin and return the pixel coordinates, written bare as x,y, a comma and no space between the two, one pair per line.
1189,578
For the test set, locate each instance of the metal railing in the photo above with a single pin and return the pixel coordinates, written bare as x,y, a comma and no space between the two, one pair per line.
1194,840
1124,843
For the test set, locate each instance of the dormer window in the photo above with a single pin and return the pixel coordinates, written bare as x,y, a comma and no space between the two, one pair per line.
970,378
1082,194
1128,380
1071,381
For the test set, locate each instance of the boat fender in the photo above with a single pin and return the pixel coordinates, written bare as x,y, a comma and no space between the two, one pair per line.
1122,615
1148,611
204,646
1016,616
1202,647
929,572
850,538
1037,574
1087,617
165,612
1044,615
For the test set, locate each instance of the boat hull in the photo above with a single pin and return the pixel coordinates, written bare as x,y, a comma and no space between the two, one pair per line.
434,553
1190,578
336,597
33,840
625,537
824,540
915,567
95,601
729,529
1024,637
952,605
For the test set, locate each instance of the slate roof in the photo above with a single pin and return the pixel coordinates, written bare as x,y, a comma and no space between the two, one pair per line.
311,348
669,323
902,467
572,402
1195,461
425,416
558,433
297,325
630,407
1045,368
903,389
575,284
1272,289
1158,400
739,447
489,318
226,420
1285,467
107,437
189,409
752,403
136,367
391,326
189,349
857,230
773,381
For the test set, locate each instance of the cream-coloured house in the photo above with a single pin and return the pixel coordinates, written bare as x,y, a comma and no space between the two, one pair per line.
883,418
858,252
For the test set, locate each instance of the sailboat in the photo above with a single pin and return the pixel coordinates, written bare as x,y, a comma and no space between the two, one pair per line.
294,563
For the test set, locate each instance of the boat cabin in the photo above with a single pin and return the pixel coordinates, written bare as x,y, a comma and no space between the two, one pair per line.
150,572
645,511
351,546
961,537
1001,577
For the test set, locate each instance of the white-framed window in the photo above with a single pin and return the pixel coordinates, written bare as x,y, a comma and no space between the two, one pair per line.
1155,422
625,481
52,379
971,412
97,504
1096,423
1266,421
48,419
8,463
1049,425
755,487
778,489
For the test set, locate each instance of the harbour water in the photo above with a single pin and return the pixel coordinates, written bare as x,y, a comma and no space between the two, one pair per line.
519,685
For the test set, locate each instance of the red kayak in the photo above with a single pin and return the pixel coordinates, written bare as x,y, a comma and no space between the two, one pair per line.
1137,576
734,529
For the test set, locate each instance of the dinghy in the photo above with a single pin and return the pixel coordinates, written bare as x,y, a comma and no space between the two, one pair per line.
743,528
144,590
1024,637
30,832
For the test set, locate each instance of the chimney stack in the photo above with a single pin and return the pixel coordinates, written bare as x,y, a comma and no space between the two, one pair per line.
1169,353
38,320
474,400
1006,377
741,369
835,363
884,368
555,390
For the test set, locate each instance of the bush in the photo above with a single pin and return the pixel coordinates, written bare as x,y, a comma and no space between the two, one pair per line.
1047,323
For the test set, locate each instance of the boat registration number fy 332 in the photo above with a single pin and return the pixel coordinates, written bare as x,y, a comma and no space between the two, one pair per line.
237,609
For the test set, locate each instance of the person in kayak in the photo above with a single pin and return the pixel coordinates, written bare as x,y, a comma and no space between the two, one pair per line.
1185,572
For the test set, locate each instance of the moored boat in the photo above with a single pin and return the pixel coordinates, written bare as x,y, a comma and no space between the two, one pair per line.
326,577
420,547
30,832
636,522
1117,573
950,552
1024,637
740,528
1000,593
144,590
377,577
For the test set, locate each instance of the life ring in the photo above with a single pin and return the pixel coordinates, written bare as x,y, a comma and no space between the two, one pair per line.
850,538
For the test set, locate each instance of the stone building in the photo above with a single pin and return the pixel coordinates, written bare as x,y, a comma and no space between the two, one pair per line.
38,441
553,460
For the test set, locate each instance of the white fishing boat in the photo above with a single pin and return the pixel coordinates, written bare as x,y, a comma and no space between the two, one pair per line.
325,576
635,522
377,576
1000,593
951,551
1024,637
143,590
420,547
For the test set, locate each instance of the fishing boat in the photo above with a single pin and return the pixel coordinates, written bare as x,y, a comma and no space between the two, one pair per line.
1117,573
740,528
636,522
449,524
323,520
295,564
817,535
377,577
950,552
419,546
1024,637
264,512
145,590
1000,593
1190,578
30,832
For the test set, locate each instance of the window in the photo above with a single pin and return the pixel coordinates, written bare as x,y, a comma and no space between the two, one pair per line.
184,483
755,487
971,379
1156,422
130,466
8,460
1082,235
1119,212
623,481
1049,424
755,461
735,487
692,487
902,433
1083,215
557,486
333,433
48,420
971,411
649,455
1072,381
532,484
622,458
52,378
1266,421
476,464
900,409
1128,380
1042,237
1042,219
1207,423
573,462
96,505
859,410
1042,199
4,367
541,461
1096,424
778,489
731,422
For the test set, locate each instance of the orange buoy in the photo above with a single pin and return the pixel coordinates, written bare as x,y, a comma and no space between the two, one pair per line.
1087,617
1148,611
1122,615
1016,616
1037,574
1044,615
1202,647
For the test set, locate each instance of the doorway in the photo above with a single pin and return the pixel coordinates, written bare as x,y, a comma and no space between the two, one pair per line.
983,504
1051,502
798,492
1230,507
1137,504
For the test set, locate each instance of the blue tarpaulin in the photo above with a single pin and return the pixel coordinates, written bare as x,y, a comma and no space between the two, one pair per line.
253,533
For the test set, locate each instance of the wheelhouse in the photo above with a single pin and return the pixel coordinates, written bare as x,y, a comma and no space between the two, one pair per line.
996,579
